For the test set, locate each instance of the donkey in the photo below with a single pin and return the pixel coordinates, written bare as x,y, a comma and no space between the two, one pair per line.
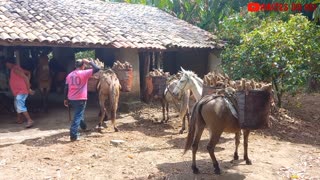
109,92
213,112
181,103
44,80
210,111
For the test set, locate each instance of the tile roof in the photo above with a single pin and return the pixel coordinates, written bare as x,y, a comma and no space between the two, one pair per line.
92,23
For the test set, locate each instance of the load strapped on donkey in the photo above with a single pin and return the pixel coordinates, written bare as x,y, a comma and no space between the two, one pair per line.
156,82
124,73
252,100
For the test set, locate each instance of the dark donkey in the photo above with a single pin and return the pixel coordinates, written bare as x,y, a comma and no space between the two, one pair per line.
214,113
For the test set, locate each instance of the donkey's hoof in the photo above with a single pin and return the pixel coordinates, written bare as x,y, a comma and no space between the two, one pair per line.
235,156
195,170
164,121
181,131
248,162
116,129
217,171
99,127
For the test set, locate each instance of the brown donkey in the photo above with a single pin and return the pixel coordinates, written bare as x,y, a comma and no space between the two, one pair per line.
214,113
109,92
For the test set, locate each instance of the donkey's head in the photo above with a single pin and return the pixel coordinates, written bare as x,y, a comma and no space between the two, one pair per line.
184,82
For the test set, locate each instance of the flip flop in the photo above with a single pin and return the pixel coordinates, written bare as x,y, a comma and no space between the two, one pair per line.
19,122
29,125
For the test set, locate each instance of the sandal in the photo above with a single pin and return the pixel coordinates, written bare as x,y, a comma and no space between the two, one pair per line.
29,124
19,122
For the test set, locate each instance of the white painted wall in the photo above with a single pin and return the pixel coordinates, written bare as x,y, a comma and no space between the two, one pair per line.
213,60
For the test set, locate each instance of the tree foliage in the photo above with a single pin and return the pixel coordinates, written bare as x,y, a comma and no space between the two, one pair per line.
205,14
284,53
85,54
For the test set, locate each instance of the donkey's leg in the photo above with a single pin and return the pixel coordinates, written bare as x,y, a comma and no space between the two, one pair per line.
167,109
182,115
114,125
114,109
199,130
213,141
113,115
163,103
46,94
188,116
237,142
163,111
245,144
41,99
102,99
183,127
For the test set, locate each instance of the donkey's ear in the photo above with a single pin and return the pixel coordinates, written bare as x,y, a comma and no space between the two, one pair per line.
182,69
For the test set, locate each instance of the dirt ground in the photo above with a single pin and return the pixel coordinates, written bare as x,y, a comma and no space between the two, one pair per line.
289,149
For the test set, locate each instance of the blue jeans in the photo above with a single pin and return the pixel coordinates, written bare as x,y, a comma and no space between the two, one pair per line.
20,103
79,107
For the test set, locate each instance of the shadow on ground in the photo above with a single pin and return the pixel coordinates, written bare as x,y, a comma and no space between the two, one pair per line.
290,128
182,170
299,120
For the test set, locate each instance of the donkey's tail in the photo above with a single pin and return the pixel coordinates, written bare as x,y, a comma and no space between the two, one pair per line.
195,116
114,98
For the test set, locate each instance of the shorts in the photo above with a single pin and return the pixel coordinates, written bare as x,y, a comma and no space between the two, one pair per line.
20,103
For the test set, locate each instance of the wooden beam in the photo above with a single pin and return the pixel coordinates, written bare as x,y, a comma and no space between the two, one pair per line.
146,69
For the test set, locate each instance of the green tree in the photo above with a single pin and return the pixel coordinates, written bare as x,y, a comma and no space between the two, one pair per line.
87,54
204,13
284,53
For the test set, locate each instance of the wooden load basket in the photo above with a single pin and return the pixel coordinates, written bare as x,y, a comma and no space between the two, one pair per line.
207,90
253,109
93,82
156,85
125,77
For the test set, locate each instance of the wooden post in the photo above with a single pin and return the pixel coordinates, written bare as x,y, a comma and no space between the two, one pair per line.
17,55
146,70
158,60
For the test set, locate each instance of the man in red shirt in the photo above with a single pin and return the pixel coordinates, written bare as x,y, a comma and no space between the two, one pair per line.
20,88
76,94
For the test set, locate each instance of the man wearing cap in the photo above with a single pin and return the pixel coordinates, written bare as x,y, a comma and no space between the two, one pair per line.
20,87
76,94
